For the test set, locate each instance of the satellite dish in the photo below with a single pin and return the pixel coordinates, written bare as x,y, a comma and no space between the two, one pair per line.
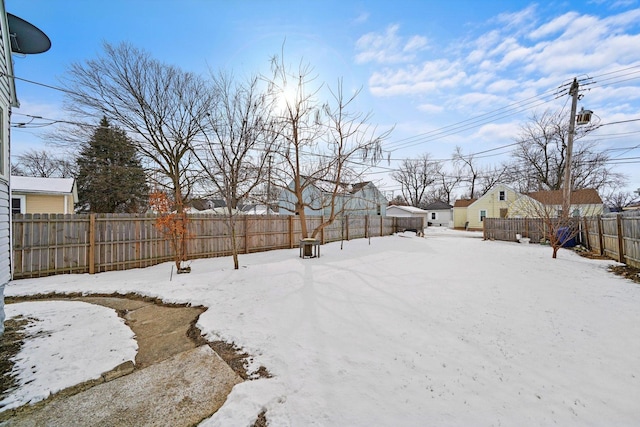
25,37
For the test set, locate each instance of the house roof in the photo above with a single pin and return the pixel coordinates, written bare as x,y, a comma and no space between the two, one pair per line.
438,205
586,196
411,209
359,186
30,184
463,203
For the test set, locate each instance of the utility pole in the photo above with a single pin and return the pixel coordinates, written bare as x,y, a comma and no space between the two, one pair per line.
566,185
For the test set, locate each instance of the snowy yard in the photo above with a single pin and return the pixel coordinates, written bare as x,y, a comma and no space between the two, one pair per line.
407,331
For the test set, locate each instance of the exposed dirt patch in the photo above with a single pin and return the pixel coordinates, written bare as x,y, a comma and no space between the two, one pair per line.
262,420
627,272
10,344
161,330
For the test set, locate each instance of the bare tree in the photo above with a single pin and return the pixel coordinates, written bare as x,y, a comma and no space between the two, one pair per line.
447,181
617,200
321,143
162,108
43,164
469,168
489,177
415,177
236,150
555,226
540,156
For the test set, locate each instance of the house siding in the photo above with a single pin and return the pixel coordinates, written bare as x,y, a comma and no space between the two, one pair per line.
459,217
443,217
490,203
47,204
7,99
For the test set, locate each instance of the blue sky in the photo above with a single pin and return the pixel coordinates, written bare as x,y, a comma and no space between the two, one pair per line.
445,74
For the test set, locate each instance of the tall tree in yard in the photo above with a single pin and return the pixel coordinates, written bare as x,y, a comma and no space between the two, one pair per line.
110,176
321,142
161,108
235,152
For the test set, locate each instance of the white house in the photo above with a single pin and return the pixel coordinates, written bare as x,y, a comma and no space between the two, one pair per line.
22,38
439,214
7,100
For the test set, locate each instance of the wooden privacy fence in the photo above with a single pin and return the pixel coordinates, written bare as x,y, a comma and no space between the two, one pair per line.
614,235
51,244
533,228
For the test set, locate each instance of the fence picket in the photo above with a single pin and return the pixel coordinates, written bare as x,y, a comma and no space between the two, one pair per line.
90,243
615,235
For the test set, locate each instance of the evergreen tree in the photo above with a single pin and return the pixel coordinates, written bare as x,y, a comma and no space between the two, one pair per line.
110,176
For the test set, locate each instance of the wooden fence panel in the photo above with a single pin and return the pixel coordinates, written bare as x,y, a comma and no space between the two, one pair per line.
631,240
87,243
610,237
614,235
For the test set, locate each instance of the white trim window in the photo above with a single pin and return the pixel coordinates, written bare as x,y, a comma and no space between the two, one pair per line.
483,214
18,204
434,215
503,196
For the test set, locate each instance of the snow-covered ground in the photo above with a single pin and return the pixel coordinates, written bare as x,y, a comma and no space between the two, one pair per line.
68,343
408,331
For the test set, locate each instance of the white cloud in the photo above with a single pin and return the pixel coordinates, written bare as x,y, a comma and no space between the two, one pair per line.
498,131
389,47
430,108
556,25
362,18
430,76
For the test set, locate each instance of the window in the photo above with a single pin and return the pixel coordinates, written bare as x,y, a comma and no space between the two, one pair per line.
503,196
433,215
483,215
18,205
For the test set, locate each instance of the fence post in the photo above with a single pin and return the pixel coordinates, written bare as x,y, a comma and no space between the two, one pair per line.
600,235
586,233
621,257
92,243
246,233
291,218
381,226
484,229
347,226
366,226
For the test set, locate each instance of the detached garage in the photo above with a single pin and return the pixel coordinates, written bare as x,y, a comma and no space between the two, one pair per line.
407,211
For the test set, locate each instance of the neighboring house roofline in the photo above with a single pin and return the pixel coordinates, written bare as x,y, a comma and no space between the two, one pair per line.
411,209
463,203
439,205
585,196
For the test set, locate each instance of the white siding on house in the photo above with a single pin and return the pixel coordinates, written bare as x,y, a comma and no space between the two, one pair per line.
7,99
